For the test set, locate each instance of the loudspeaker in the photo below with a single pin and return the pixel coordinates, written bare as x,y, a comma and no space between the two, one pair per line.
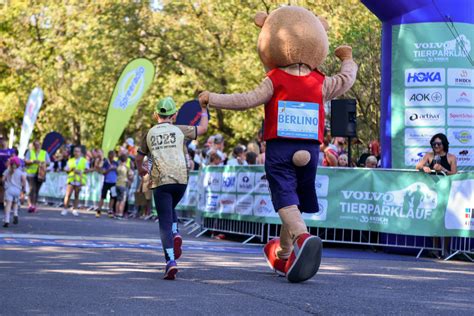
343,118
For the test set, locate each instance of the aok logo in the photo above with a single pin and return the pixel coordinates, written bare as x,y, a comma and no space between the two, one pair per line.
435,97
463,136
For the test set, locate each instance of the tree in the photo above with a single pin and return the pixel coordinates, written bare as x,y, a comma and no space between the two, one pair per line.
75,52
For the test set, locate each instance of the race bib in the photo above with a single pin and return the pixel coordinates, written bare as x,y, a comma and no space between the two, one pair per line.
298,120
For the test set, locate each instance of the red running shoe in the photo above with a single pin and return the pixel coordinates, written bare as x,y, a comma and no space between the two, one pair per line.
270,252
305,259
177,243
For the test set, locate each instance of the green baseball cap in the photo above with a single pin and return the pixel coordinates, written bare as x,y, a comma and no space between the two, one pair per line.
166,106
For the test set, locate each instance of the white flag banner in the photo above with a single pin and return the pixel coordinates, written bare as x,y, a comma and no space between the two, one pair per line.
35,100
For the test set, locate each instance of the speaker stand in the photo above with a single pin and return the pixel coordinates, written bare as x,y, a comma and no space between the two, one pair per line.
349,153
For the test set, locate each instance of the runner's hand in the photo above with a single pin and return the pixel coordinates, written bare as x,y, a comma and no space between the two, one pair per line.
427,169
204,99
437,167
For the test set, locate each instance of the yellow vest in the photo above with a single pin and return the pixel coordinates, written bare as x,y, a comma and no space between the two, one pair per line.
81,166
33,168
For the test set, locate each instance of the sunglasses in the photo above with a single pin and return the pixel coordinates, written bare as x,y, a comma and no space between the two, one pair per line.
437,144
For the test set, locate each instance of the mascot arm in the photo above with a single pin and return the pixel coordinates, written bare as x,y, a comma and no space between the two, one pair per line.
339,84
243,101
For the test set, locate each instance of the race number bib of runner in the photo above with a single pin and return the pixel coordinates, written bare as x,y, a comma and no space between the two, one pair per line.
298,120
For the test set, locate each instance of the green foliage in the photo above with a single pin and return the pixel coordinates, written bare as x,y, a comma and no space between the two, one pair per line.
75,52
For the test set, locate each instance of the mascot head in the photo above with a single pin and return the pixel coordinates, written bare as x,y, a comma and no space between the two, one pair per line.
291,35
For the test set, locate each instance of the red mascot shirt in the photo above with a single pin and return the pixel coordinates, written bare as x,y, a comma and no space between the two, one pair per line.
288,87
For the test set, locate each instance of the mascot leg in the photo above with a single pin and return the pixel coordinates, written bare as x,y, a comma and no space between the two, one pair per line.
303,262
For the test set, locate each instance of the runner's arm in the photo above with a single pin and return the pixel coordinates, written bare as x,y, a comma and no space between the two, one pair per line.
202,128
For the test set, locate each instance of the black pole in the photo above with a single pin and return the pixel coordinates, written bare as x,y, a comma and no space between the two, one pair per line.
349,158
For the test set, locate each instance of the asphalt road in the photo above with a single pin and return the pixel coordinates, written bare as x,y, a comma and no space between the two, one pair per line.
53,265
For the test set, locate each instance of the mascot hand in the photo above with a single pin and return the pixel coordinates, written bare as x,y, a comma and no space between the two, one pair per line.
343,52
204,99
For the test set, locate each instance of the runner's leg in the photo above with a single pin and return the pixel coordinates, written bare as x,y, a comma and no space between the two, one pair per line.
8,205
67,196
164,204
77,189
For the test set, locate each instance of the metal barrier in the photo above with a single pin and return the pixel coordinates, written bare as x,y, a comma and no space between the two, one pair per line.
462,246
266,232
251,229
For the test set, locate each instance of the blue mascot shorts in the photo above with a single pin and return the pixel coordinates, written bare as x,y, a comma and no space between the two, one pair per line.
291,185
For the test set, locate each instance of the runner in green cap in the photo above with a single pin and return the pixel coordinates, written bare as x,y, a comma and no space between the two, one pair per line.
165,144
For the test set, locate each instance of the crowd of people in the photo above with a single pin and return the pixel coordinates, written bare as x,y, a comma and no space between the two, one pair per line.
118,168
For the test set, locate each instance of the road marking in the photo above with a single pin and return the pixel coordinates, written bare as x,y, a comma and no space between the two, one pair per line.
135,243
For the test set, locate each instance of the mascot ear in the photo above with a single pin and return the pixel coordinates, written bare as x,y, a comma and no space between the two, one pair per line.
260,18
324,23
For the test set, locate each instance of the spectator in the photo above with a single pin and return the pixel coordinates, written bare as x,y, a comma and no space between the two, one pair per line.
254,147
238,157
124,176
98,160
215,159
261,157
343,161
439,160
5,154
131,148
77,167
61,160
37,161
329,152
371,162
195,165
339,143
109,170
15,183
219,146
373,149
251,158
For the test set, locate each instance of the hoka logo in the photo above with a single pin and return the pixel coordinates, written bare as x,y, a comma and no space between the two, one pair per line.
424,77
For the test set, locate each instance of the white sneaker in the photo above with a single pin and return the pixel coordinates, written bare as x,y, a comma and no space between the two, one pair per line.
64,212
75,213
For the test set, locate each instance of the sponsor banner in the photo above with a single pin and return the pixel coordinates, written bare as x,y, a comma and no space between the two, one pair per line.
465,156
132,85
460,116
420,136
425,117
425,97
431,87
52,142
460,209
460,97
33,106
414,155
390,201
460,77
190,114
461,137
425,77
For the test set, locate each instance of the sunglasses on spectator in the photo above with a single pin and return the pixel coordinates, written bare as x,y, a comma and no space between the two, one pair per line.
437,144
